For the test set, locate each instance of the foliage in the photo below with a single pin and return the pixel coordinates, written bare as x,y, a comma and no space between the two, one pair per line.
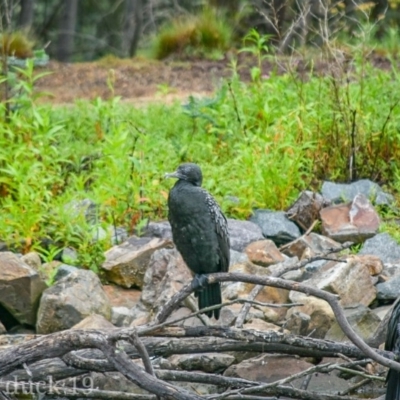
260,142
16,44
207,34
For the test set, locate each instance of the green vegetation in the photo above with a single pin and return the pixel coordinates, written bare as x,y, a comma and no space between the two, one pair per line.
208,34
261,142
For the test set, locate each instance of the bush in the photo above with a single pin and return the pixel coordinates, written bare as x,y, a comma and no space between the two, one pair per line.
189,35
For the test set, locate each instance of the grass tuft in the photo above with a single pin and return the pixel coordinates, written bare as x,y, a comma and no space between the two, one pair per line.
193,35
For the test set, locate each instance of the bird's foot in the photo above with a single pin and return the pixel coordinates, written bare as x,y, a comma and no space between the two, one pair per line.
199,281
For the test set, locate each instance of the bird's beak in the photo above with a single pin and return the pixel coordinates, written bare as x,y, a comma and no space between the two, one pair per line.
172,175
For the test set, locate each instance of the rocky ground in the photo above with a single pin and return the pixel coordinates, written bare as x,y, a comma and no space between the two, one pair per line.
143,273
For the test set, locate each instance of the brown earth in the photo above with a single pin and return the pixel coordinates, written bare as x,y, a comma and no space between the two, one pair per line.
141,81
133,80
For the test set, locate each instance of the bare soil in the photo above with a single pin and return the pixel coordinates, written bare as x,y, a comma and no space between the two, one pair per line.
142,81
135,81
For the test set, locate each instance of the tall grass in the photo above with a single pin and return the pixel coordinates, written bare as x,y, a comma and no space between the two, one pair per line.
261,142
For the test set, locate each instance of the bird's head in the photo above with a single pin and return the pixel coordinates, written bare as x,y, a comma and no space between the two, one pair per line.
188,172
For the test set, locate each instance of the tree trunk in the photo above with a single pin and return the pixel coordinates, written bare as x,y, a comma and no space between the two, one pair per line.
132,27
26,14
67,30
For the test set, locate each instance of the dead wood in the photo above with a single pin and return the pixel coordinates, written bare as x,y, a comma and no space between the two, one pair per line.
77,352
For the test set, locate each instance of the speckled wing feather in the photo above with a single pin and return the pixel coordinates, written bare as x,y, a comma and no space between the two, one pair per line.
221,227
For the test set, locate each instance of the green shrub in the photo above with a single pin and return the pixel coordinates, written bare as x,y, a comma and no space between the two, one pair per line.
200,35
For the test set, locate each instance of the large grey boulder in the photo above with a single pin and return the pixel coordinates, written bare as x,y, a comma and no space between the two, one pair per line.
72,299
20,288
242,233
384,247
343,192
275,225
126,264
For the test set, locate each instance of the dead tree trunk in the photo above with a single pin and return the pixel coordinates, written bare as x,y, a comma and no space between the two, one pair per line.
67,30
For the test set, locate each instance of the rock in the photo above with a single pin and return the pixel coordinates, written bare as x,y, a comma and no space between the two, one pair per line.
372,263
362,320
311,268
316,244
85,207
268,368
94,321
207,362
63,270
165,275
121,316
185,312
260,325
305,210
340,193
268,294
297,323
319,311
20,289
69,256
118,234
390,270
122,297
388,290
242,233
384,247
264,253
70,300
276,226
237,257
349,279
126,264
355,221
3,330
33,260
381,312
160,230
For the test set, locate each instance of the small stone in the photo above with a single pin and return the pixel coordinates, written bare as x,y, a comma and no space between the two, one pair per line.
389,290
121,316
63,270
264,253
260,325
319,311
69,256
297,323
33,260
275,225
94,321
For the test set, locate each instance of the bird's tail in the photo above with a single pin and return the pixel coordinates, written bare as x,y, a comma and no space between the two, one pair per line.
210,296
393,385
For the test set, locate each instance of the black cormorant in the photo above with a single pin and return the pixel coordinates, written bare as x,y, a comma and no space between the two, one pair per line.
393,344
199,230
